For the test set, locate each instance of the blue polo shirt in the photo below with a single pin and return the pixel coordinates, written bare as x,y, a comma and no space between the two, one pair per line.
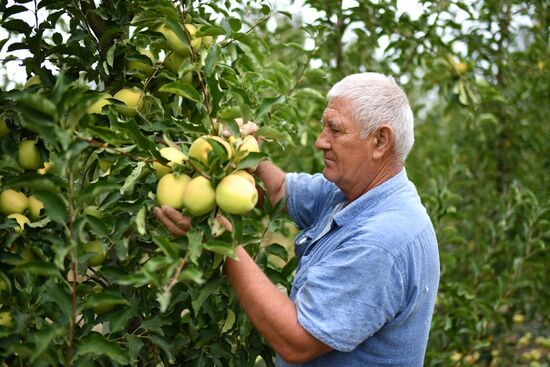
367,273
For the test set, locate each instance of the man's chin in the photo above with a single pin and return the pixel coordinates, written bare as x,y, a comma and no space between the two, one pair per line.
328,174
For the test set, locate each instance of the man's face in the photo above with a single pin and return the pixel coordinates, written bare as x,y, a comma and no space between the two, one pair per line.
347,157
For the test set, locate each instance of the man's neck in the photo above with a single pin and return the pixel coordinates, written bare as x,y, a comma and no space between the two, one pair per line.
383,174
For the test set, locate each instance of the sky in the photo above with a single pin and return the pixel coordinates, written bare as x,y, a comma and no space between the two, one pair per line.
15,73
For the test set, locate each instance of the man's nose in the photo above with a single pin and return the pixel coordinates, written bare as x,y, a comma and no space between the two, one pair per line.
322,142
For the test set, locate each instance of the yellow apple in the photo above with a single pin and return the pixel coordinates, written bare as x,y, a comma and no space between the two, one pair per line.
176,44
132,98
174,61
34,80
28,155
98,105
35,207
201,147
4,129
6,319
47,166
460,68
246,175
12,201
235,194
249,144
161,170
99,249
21,220
199,197
170,190
174,155
145,68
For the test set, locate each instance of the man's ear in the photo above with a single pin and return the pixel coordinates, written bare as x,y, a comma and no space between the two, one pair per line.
382,141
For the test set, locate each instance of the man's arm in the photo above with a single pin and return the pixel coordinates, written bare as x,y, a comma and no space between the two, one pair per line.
272,312
274,180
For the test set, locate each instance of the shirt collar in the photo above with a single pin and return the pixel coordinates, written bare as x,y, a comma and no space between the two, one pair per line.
371,198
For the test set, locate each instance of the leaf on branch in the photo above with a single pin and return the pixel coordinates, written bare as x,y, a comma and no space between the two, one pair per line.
98,345
200,295
37,267
185,90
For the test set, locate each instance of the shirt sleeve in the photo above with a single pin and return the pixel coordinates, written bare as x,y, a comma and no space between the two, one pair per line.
350,295
306,195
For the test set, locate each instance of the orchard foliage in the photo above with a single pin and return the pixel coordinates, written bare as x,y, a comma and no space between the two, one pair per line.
477,77
96,279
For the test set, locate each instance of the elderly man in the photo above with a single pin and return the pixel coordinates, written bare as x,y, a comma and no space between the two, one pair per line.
368,263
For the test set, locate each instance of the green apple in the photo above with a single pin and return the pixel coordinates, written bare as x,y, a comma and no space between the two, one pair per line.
132,98
4,129
12,201
5,285
21,220
28,155
177,45
174,61
35,208
199,197
249,144
235,194
170,190
34,80
6,319
98,105
201,147
99,249
161,170
145,68
246,175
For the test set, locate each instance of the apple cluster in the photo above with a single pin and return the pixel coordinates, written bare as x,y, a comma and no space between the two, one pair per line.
177,55
235,193
15,204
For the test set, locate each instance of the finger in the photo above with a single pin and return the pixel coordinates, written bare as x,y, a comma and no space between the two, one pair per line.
250,128
175,216
168,223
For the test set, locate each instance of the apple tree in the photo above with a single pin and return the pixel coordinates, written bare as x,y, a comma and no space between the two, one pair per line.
129,105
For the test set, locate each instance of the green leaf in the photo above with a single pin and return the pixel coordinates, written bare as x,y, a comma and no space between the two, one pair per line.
97,345
185,90
119,319
268,103
200,295
131,180
94,190
43,339
277,250
104,299
60,296
17,25
195,237
169,248
219,247
37,267
134,347
252,159
55,206
192,274
229,321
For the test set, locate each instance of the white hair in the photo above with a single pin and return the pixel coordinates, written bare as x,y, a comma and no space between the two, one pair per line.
376,99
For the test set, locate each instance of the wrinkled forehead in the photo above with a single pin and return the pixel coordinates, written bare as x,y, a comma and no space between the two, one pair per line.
339,108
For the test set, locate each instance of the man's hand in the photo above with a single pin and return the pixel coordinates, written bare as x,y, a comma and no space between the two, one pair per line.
177,223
